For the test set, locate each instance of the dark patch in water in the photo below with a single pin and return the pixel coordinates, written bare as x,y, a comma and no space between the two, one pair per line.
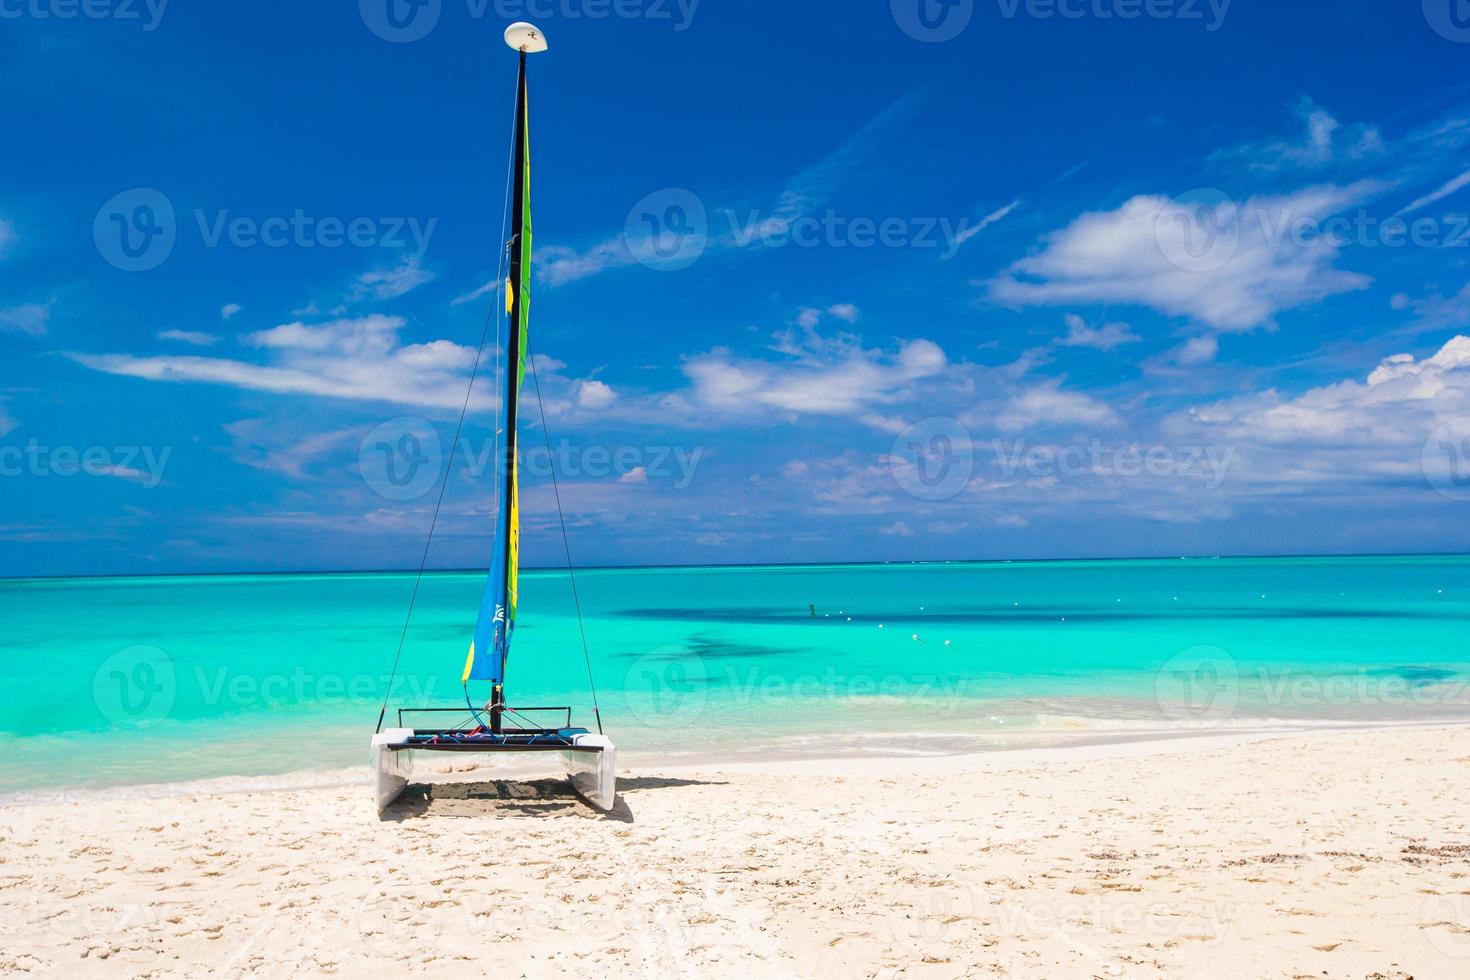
1415,675
708,647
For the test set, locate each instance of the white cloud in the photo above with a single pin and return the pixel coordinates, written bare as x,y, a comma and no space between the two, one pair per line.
820,376
1105,337
229,310
898,529
27,318
1143,253
361,359
1348,437
594,395
1048,404
845,311
391,282
1198,350
638,474
195,337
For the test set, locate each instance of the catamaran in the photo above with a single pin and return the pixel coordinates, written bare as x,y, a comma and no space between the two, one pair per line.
590,760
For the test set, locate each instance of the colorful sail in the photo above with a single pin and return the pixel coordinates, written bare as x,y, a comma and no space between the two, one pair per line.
491,646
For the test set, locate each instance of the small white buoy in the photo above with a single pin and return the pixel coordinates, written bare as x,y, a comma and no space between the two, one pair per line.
849,619
915,637
946,643
880,626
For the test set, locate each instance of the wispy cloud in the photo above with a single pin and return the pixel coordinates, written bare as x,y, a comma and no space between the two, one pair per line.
806,191
1105,337
8,424
985,222
1324,141
27,318
8,236
195,337
391,282
229,310
492,286
1439,194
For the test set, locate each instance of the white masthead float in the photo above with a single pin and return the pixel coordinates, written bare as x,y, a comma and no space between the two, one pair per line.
590,760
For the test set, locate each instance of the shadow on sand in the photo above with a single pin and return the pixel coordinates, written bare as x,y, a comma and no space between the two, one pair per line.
528,798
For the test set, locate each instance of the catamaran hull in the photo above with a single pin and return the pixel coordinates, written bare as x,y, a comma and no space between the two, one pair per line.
591,765
594,774
391,768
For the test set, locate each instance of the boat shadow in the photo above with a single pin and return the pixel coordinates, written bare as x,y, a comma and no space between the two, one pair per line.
535,798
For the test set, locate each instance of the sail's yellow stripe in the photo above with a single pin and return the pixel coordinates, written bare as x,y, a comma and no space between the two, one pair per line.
469,664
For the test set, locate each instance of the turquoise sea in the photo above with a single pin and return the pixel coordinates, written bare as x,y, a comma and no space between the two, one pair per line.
123,681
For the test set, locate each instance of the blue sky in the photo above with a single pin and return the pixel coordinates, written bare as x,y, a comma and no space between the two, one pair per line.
817,282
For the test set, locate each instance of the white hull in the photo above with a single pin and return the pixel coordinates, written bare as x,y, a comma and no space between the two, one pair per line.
391,770
594,775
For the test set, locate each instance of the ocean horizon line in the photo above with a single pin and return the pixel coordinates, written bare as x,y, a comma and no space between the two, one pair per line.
744,565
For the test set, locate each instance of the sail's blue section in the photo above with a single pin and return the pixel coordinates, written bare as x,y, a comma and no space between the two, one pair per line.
492,631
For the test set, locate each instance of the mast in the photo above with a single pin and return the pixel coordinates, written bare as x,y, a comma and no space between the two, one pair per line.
491,647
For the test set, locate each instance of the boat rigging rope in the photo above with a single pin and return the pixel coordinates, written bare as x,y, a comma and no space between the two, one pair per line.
565,541
495,314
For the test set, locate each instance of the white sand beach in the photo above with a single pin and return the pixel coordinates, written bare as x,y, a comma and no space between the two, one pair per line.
1335,854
